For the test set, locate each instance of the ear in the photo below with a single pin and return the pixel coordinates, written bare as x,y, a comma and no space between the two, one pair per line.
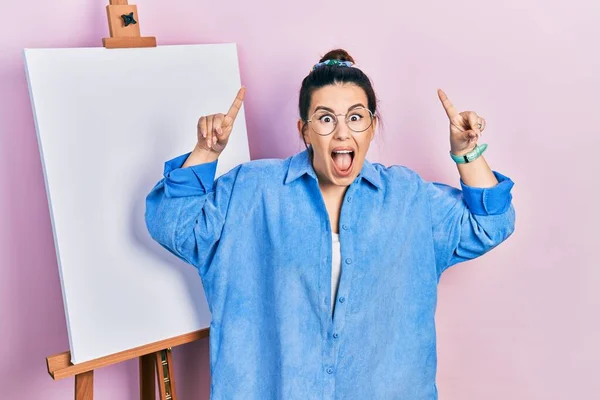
374,127
304,136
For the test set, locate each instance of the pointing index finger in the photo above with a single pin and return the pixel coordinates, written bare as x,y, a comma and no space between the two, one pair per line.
448,106
237,104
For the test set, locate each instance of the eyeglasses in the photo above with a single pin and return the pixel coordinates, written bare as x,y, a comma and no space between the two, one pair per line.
324,122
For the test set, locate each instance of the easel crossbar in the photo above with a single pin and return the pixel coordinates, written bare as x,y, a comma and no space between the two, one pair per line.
60,367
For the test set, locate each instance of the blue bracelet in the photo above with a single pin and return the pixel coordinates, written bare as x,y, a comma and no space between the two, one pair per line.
470,156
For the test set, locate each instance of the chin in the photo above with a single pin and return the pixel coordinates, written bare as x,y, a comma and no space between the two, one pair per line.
342,182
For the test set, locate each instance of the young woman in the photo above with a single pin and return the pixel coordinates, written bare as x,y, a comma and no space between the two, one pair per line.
321,270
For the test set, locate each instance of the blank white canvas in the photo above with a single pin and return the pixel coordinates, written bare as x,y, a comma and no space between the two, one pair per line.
107,120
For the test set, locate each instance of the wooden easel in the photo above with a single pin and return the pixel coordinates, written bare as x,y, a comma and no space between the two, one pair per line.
155,360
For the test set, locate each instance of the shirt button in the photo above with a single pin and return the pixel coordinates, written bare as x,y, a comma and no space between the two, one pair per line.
342,299
345,227
330,370
335,335
348,261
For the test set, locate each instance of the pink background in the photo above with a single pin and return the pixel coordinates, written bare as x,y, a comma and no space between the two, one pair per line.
519,323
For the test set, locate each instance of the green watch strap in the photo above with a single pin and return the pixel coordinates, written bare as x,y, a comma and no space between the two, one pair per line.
470,156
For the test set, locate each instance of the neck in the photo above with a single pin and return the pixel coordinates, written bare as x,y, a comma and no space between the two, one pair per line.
332,192
333,196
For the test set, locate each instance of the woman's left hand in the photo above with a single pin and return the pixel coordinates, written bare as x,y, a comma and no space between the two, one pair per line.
465,127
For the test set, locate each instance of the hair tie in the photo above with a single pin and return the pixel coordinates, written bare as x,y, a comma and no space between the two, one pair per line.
333,62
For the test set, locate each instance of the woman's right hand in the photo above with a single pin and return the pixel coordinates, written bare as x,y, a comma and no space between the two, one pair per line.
214,129
213,133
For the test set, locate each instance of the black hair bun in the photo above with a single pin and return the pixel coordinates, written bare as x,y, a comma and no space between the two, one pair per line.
337,54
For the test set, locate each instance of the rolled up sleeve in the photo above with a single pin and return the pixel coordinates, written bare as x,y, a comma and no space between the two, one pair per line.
190,181
489,201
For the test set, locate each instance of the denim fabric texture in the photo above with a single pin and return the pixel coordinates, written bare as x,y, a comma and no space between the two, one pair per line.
260,239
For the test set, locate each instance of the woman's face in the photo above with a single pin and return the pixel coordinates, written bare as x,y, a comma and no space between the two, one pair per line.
338,157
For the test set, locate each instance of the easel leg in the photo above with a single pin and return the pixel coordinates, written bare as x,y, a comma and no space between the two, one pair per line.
164,373
147,382
169,355
84,386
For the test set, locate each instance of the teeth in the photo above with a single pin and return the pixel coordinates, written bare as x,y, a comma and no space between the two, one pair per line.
343,151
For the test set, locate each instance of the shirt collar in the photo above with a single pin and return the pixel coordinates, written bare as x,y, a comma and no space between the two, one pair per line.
300,164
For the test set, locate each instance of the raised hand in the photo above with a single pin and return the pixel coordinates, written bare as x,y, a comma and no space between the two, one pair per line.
465,127
214,129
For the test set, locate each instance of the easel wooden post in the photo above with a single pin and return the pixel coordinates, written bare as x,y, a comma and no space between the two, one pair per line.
155,362
124,27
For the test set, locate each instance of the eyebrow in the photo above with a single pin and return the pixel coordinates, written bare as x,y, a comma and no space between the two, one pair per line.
333,112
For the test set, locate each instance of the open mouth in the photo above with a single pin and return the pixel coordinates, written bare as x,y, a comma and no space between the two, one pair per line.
342,161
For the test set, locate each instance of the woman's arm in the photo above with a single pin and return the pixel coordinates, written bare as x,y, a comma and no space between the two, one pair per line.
477,174
186,210
469,222
200,156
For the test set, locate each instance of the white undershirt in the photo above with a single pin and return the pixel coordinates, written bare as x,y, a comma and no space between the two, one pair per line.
336,266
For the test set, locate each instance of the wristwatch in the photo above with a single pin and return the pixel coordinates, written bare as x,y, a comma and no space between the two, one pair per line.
470,156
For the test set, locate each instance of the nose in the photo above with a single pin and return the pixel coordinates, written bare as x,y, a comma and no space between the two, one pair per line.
341,131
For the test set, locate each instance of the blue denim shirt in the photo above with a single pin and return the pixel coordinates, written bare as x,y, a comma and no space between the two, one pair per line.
260,238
